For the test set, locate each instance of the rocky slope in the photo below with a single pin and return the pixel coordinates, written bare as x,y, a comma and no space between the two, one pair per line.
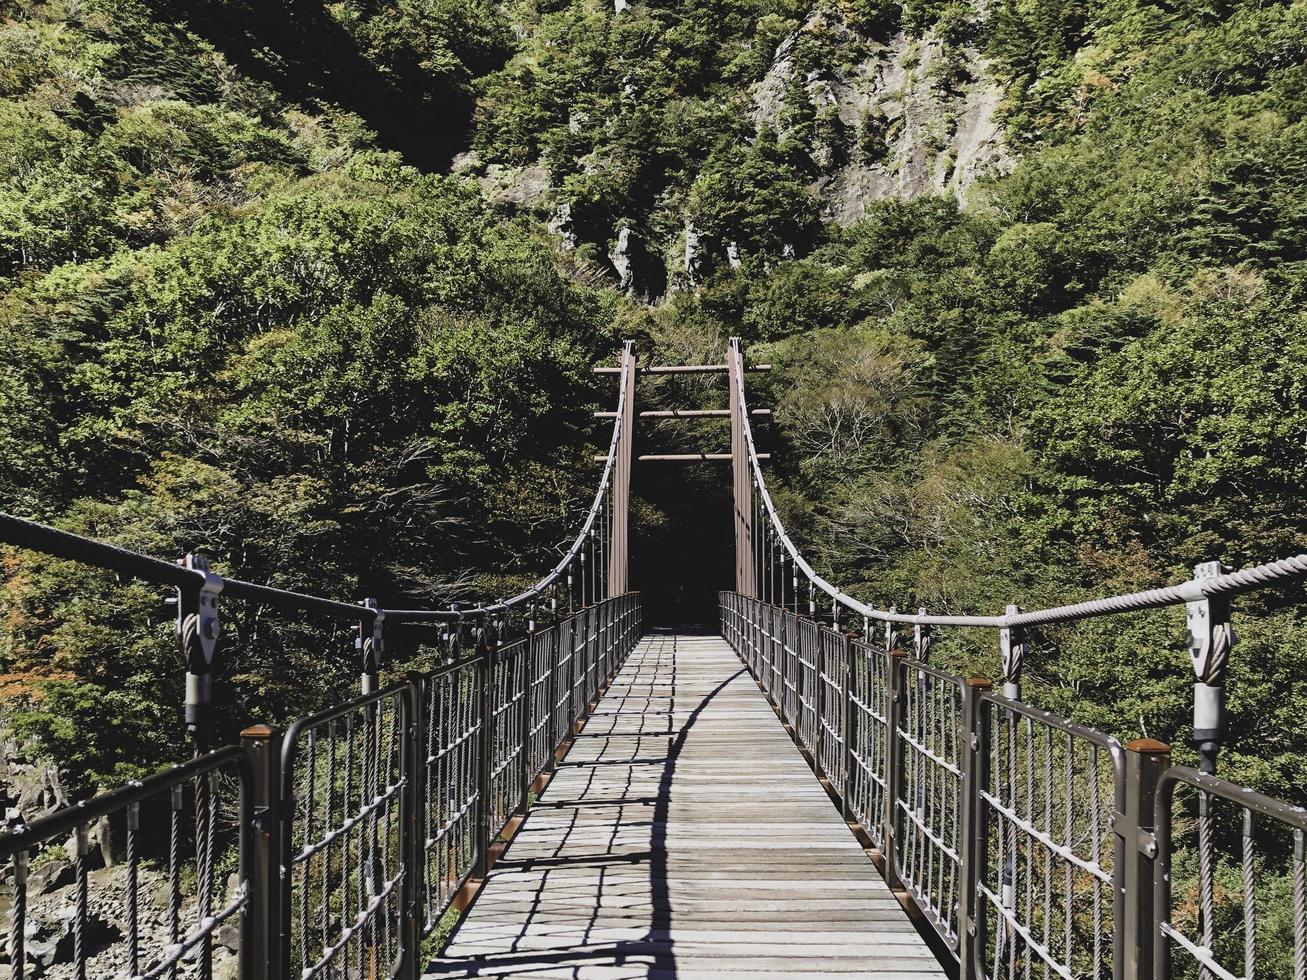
908,117
898,115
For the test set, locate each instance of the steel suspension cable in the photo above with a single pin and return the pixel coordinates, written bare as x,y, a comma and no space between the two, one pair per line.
57,543
1285,569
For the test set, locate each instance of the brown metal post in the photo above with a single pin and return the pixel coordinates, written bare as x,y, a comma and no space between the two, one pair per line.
743,481
412,837
551,758
525,774
848,721
972,835
893,764
819,705
415,875
264,952
619,550
1145,761
484,748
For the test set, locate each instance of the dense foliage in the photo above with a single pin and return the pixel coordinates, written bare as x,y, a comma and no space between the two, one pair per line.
244,312
230,325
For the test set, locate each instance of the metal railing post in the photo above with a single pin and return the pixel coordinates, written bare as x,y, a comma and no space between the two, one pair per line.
413,765
570,719
610,659
551,759
847,723
486,670
973,837
524,718
415,877
894,677
819,705
265,951
1145,761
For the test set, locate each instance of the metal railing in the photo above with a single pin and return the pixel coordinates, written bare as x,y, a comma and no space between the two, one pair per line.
1246,919
1044,799
353,832
1026,841
368,818
175,828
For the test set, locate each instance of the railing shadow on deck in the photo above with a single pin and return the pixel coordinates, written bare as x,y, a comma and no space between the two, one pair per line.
656,949
1026,841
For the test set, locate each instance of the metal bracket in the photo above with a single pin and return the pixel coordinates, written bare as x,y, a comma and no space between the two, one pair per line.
262,823
198,629
1012,646
1210,639
921,638
199,635
891,633
1146,842
487,639
1210,633
371,646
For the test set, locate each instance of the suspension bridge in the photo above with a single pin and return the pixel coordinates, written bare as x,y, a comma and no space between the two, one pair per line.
574,794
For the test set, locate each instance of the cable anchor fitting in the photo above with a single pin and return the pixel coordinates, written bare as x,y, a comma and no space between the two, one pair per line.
1210,638
1012,647
921,638
199,628
371,646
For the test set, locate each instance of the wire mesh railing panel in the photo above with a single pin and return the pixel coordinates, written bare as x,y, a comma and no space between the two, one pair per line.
789,672
782,666
758,632
868,747
157,914
607,638
566,685
343,779
508,694
1047,879
451,702
806,694
750,635
580,666
594,672
773,650
932,736
1231,883
832,701
540,740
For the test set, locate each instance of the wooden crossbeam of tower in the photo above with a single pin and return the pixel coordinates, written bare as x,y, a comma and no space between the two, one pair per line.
734,369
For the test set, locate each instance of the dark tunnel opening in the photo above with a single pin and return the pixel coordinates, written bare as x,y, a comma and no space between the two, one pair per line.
682,544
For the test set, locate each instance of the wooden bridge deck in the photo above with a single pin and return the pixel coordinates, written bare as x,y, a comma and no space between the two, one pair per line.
684,835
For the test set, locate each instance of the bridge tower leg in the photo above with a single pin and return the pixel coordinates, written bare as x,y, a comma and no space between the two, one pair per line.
745,583
618,545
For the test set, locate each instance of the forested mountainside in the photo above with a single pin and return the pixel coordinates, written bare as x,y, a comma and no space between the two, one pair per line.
314,289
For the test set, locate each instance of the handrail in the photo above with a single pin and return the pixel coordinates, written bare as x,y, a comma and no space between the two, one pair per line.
1245,580
60,823
52,541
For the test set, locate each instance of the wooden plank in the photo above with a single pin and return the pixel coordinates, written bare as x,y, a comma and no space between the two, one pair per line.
684,413
685,835
682,369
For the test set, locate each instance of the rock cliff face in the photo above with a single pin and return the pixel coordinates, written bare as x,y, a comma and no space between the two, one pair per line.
896,120
29,784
